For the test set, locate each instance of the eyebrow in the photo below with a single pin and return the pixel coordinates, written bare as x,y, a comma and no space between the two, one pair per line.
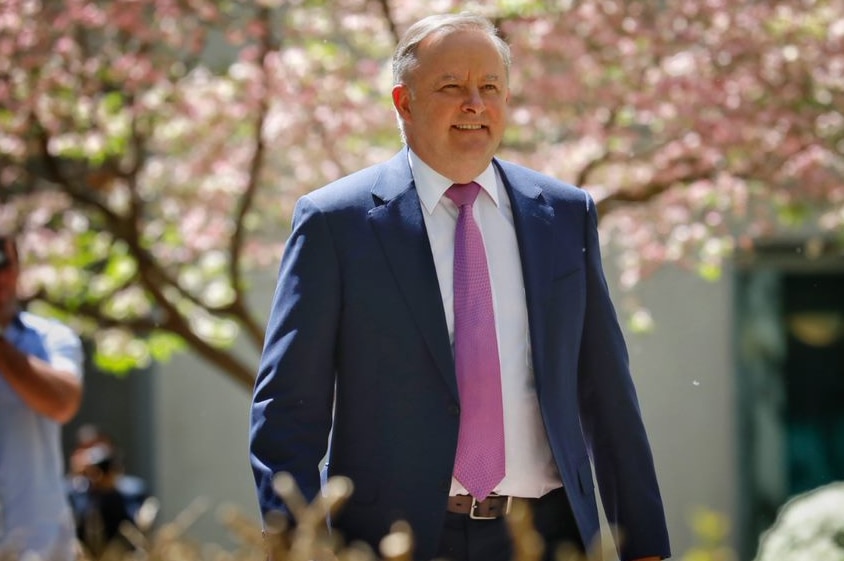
453,78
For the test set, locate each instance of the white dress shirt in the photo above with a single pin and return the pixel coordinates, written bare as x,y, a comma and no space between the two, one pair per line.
530,468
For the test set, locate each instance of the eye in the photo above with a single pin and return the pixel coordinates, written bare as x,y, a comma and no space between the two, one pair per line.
490,87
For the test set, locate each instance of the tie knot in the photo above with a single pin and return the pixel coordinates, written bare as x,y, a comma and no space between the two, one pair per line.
463,193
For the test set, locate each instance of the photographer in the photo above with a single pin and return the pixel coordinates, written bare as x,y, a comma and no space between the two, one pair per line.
103,497
40,389
100,503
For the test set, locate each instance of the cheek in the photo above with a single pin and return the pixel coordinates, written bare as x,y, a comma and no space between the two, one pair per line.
435,120
500,108
501,115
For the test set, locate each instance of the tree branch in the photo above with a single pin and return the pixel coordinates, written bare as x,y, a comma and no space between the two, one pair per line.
388,15
238,307
238,370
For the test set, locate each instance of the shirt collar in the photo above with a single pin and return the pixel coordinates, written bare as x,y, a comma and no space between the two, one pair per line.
431,185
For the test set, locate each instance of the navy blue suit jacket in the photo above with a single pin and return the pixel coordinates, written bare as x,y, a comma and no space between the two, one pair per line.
357,344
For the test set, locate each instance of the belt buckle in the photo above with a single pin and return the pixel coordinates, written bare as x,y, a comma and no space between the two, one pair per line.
475,503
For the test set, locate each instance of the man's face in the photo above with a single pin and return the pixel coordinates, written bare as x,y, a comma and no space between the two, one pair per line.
9,270
454,106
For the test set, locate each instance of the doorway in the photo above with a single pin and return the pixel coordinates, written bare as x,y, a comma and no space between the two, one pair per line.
814,379
790,358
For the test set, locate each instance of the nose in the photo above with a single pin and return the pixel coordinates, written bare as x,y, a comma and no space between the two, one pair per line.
473,103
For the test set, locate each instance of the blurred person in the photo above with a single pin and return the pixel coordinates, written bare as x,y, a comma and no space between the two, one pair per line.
443,330
40,389
87,436
103,498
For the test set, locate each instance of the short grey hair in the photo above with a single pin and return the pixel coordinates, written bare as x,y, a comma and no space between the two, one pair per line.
404,57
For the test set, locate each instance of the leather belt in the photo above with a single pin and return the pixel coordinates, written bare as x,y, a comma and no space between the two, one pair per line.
494,506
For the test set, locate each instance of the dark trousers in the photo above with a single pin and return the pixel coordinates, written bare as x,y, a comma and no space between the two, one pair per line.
465,539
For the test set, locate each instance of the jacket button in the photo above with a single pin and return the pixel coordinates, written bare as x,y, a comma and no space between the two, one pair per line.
454,409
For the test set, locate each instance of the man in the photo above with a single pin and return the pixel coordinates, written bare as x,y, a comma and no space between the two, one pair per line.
40,388
368,336
103,499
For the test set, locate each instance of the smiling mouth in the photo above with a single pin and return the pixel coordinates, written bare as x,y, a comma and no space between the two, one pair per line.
468,127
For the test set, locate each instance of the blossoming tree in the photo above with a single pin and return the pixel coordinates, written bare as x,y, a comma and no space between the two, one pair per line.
151,152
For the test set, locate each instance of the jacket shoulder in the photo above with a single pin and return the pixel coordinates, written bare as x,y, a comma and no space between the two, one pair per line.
355,188
551,187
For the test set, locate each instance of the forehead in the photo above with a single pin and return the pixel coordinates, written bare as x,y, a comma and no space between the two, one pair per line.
458,52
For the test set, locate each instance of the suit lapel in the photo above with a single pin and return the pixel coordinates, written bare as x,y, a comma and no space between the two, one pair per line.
398,222
532,217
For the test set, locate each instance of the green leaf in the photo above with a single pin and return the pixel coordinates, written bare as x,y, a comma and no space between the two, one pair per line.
113,102
710,271
163,345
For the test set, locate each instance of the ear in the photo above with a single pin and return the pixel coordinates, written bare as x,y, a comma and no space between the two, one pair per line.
401,100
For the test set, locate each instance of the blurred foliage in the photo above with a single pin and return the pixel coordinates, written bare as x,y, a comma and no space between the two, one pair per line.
809,527
309,540
712,530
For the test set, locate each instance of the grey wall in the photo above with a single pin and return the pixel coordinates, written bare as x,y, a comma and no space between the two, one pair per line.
201,424
685,376
201,428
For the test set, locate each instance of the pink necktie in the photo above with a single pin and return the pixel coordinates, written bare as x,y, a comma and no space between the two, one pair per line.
479,464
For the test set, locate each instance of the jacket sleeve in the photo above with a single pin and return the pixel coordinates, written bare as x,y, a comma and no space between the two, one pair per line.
612,422
292,399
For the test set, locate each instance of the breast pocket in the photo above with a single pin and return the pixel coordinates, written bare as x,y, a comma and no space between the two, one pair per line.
567,295
566,273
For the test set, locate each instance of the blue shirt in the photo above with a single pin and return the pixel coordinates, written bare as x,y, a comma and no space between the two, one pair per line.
34,513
